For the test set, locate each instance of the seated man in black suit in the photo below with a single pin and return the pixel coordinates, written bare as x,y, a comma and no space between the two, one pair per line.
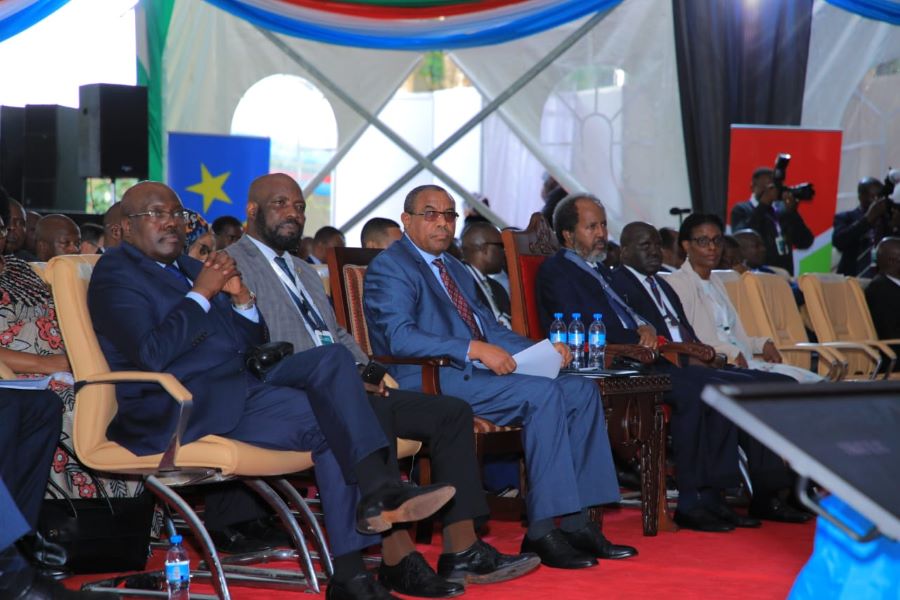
482,249
155,309
292,300
883,292
704,442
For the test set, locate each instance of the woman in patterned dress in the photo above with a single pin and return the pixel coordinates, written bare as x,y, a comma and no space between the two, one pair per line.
31,345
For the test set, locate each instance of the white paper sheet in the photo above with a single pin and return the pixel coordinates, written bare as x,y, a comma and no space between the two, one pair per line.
541,360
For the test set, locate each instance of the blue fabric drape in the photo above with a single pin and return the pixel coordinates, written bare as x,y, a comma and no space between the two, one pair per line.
491,31
28,16
880,10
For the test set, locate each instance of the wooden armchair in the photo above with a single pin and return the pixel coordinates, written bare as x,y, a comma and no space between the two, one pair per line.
207,460
635,414
347,270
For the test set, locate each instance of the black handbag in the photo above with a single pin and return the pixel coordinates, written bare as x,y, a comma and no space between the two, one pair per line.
261,359
99,535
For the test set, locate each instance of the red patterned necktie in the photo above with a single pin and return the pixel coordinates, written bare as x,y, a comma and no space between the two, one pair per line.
462,307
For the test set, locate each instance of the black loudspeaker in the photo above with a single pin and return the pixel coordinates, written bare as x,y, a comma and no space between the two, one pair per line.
12,136
113,131
50,163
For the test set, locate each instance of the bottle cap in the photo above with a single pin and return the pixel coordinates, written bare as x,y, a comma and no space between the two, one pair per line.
175,539
576,315
598,316
557,316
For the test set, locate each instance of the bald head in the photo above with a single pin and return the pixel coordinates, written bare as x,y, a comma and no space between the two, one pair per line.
154,221
56,235
887,256
276,211
112,226
482,247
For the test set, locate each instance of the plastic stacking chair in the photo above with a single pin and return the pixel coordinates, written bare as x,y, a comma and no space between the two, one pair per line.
209,459
839,313
771,303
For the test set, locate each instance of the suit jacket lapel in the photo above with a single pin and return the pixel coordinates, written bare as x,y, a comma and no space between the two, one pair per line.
426,272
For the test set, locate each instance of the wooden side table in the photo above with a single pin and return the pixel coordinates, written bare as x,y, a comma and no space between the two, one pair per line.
635,422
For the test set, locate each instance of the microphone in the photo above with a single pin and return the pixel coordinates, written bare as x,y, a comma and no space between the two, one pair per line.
675,211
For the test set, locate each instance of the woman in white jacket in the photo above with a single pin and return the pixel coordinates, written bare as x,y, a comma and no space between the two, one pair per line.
710,311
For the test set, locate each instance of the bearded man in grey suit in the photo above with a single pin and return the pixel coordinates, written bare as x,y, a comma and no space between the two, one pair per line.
291,297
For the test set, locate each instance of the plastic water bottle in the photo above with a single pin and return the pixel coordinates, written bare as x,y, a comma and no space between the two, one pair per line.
596,342
576,341
178,570
558,331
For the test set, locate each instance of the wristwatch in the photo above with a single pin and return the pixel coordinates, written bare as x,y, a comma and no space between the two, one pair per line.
248,305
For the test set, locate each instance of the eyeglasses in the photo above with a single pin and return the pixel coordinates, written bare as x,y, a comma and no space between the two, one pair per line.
159,215
450,216
704,242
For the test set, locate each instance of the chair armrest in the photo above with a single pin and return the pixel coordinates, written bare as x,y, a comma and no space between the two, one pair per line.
862,347
837,363
173,387
636,352
888,352
701,352
431,379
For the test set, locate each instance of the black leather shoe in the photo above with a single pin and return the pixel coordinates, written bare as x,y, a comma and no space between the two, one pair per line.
773,509
555,551
590,540
400,503
361,586
724,513
255,535
482,563
415,577
700,519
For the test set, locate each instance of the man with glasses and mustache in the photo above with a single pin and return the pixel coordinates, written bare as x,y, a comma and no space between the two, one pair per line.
155,309
420,301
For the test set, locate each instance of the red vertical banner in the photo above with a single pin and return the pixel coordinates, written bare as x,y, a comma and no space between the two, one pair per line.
815,158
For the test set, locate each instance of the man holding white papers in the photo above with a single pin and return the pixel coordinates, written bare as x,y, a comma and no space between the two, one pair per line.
419,302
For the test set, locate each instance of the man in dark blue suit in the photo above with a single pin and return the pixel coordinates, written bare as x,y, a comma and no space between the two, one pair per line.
155,309
419,301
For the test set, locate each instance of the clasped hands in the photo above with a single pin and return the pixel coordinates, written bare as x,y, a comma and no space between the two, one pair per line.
501,362
220,274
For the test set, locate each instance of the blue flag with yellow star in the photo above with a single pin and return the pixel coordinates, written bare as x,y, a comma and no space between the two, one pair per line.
212,173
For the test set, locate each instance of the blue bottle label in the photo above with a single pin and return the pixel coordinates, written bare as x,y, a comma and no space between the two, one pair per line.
178,571
598,339
576,339
558,336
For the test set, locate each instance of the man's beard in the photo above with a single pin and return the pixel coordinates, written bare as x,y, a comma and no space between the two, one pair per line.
270,235
597,256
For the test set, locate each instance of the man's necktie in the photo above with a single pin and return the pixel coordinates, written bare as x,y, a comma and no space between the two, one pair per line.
667,314
622,310
309,313
173,270
462,307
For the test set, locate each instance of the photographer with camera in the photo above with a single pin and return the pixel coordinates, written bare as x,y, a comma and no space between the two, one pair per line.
856,232
772,212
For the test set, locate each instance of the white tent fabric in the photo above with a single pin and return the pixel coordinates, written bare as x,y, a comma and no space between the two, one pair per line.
213,58
624,144
841,93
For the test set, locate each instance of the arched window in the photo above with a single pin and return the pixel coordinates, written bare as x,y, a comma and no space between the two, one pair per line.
300,121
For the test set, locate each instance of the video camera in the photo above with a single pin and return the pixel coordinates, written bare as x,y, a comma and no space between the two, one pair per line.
890,182
801,191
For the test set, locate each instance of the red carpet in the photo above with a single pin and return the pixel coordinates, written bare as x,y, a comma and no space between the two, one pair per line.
748,563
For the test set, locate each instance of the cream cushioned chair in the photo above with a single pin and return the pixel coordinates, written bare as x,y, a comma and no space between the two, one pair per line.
839,313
